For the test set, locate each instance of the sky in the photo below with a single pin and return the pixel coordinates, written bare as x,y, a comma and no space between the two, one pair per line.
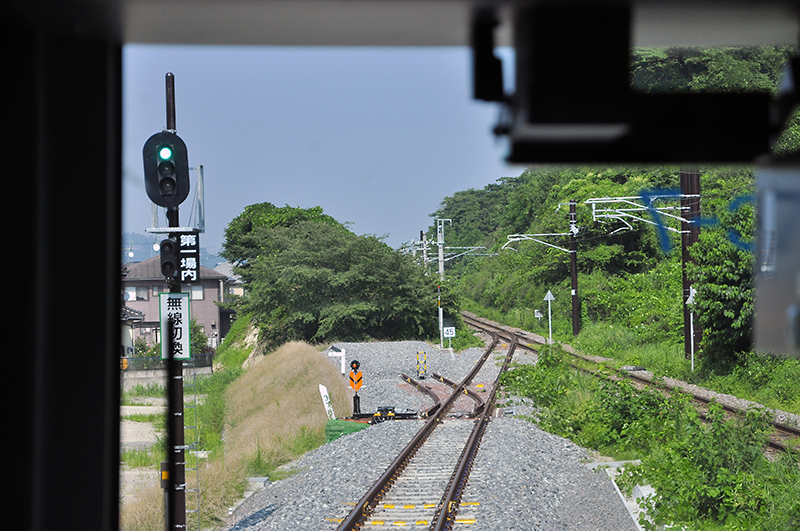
377,137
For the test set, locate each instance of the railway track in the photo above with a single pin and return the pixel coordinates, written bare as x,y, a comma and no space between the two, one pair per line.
423,486
777,441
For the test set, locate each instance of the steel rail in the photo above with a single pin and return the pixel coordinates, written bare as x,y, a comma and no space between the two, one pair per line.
775,440
448,508
428,391
470,393
366,505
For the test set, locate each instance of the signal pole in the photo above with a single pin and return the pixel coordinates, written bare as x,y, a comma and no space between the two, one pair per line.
166,176
176,512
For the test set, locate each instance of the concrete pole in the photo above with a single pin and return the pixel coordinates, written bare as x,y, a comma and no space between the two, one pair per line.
573,263
690,232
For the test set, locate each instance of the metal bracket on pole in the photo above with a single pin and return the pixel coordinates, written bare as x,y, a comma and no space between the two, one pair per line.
535,238
623,208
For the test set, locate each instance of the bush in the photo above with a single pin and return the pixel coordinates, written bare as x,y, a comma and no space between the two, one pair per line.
716,472
706,475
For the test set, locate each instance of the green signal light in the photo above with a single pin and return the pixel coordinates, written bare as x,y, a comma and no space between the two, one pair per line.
165,153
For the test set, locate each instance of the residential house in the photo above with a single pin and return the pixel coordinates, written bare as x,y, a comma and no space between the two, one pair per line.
235,286
144,282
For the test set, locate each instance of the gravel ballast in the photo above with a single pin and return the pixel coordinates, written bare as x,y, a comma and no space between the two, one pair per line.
523,478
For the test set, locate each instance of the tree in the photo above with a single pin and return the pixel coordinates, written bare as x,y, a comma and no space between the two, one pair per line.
199,339
317,282
244,235
741,69
723,273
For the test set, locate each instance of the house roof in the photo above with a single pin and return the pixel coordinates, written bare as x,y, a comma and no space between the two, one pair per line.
129,314
226,268
150,269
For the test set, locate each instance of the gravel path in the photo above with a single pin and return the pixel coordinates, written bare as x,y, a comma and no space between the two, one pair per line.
524,478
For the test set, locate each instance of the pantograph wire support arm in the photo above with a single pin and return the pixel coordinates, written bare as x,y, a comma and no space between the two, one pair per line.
637,206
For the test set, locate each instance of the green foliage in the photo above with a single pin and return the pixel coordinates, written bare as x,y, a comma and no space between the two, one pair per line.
199,339
142,350
761,378
136,457
743,69
464,339
716,472
612,415
310,278
723,273
314,282
244,235
231,353
140,391
336,428
648,304
264,463
706,476
212,410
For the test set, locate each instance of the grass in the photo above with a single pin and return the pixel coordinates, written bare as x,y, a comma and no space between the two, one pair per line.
138,458
271,414
709,476
151,390
144,511
235,350
768,380
288,418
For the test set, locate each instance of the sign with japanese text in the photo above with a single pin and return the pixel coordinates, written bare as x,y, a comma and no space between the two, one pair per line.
189,257
174,307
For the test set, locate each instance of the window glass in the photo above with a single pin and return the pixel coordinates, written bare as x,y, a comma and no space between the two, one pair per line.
141,293
130,293
197,292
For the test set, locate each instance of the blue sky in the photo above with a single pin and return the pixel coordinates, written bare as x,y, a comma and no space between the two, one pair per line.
375,136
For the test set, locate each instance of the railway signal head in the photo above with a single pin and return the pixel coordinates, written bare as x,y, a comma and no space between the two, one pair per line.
355,365
166,169
169,258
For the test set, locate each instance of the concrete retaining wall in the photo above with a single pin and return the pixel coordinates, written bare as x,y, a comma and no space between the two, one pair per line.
158,376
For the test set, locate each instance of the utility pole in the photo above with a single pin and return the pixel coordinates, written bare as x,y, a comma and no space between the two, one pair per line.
423,239
440,241
573,258
690,232
573,265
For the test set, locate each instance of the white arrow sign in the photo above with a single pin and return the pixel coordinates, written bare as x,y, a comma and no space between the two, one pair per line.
549,297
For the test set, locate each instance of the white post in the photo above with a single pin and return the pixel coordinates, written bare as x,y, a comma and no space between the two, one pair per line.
440,241
549,297
690,300
326,401
441,325
341,356
691,331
